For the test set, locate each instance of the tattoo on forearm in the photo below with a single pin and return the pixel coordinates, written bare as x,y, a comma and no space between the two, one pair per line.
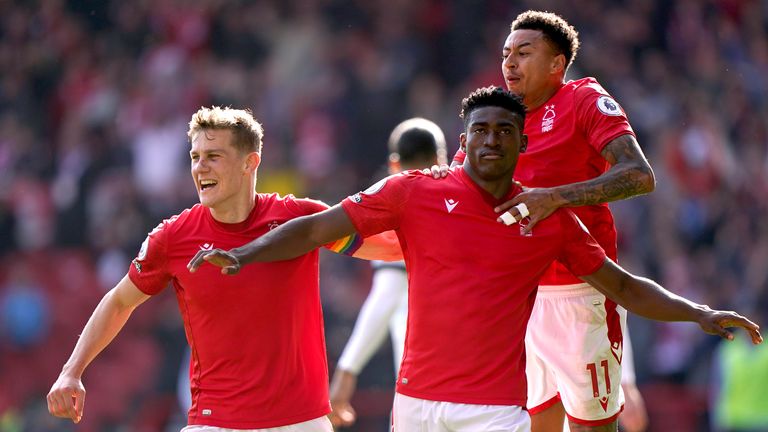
630,175
608,187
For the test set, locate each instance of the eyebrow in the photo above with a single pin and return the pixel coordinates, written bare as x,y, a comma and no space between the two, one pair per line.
213,150
499,123
522,45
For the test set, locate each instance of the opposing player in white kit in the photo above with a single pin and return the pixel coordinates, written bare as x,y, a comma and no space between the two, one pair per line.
414,144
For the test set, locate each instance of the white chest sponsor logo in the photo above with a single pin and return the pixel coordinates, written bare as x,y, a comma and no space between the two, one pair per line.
450,204
548,120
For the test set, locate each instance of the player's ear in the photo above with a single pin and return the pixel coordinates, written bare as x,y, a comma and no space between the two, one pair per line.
252,161
463,142
558,64
523,143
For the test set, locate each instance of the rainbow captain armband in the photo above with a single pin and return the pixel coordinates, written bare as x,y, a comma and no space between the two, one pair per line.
347,245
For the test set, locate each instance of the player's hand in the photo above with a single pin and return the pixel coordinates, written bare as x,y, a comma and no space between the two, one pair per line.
634,418
716,322
66,398
540,203
438,171
342,414
343,385
228,262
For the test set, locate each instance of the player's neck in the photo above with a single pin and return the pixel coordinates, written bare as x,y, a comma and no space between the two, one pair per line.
236,210
498,187
534,101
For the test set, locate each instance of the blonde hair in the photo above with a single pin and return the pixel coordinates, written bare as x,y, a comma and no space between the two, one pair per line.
247,133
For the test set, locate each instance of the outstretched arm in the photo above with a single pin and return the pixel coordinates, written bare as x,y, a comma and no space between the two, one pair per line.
648,299
383,247
630,175
67,395
292,239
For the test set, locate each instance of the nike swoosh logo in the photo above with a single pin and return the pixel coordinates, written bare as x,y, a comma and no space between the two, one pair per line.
450,204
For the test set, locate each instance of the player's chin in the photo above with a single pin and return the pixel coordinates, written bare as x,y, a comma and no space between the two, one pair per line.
206,199
494,171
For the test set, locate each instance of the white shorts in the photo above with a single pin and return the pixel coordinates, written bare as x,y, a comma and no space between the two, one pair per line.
421,415
320,424
574,348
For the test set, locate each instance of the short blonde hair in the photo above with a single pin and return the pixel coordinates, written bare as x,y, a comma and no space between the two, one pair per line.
247,133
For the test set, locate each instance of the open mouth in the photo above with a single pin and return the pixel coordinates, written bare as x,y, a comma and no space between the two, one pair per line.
207,185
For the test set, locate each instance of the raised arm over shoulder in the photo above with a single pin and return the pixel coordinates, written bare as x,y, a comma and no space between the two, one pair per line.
292,239
630,175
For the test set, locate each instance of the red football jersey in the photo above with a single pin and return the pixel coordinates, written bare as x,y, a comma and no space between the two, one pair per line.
258,347
472,282
566,136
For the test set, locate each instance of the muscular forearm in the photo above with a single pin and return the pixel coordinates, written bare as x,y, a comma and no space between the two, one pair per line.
105,323
291,240
648,299
621,181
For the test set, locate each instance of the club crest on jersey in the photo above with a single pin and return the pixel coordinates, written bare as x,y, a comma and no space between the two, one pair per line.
548,120
608,106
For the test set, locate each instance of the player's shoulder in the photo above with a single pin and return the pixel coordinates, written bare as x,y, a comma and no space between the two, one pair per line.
400,179
176,222
587,85
589,93
185,216
291,203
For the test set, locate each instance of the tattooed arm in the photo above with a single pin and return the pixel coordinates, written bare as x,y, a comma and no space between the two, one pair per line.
629,175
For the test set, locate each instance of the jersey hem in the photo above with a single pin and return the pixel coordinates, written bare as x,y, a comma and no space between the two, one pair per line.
288,421
470,400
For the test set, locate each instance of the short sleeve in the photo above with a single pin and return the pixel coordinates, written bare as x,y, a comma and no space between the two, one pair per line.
581,254
149,270
599,116
307,206
379,208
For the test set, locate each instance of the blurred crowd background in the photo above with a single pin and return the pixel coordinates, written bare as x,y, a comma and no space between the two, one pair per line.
95,97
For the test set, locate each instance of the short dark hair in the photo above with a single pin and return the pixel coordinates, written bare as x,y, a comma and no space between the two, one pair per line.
492,96
417,139
563,36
